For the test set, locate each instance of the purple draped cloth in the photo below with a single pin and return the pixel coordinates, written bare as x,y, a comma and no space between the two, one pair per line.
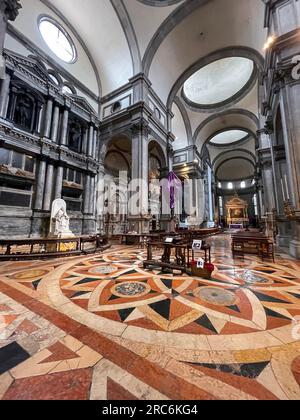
173,183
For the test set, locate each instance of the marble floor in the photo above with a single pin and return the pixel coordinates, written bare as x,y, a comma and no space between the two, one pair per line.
103,328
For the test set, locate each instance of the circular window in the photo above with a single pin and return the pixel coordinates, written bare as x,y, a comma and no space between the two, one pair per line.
57,39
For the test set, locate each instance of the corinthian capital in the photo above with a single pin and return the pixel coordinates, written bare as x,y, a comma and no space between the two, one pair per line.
10,8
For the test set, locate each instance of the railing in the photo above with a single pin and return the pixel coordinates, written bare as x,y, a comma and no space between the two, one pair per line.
30,248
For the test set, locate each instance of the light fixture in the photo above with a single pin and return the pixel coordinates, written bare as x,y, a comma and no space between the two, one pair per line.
269,43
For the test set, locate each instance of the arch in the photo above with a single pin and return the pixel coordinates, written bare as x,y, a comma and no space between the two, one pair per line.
250,123
232,51
227,152
186,120
235,178
177,16
249,134
162,154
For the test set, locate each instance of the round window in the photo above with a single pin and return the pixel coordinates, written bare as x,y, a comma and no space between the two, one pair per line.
57,39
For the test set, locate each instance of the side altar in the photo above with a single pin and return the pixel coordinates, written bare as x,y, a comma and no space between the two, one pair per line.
237,212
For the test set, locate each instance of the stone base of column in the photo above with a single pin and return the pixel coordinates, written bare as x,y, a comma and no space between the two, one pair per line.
294,244
40,224
89,225
138,224
285,234
295,249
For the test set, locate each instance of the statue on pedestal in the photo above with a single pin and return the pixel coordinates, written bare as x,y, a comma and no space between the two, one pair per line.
60,221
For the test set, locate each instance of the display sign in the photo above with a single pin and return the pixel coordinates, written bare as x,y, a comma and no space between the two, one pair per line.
200,263
197,245
169,240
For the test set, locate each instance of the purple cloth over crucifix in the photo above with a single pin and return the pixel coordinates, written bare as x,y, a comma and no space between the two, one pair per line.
173,183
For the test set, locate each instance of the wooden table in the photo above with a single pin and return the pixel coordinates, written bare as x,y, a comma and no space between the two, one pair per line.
180,262
207,250
253,243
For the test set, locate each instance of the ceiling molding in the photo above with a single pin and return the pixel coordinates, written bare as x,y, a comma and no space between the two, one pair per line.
176,17
130,34
223,154
236,111
186,120
231,51
234,158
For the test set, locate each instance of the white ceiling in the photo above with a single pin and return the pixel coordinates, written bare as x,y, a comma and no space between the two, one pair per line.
218,81
191,39
228,137
235,169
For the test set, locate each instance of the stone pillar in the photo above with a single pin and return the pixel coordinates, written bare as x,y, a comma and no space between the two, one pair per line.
58,182
64,128
91,141
282,85
4,95
55,123
39,194
48,118
138,217
85,141
12,103
48,188
95,144
92,196
87,194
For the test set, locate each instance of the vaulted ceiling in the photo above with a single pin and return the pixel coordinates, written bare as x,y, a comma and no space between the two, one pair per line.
203,57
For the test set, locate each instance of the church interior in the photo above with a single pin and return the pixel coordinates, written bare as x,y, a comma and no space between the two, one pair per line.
150,200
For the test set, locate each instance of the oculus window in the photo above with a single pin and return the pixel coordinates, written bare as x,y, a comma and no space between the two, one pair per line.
57,39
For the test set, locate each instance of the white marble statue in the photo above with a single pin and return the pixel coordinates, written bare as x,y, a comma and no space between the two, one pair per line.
60,221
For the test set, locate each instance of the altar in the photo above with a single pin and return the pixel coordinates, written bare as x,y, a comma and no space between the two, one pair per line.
237,213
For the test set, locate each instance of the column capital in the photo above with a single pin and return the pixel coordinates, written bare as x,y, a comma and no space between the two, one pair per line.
10,9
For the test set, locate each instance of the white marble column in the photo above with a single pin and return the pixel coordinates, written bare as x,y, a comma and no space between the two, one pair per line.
91,141
87,194
64,128
95,144
58,182
48,188
92,195
48,118
55,123
85,141
39,194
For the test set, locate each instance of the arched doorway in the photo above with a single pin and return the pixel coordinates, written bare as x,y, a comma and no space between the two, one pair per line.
157,165
117,166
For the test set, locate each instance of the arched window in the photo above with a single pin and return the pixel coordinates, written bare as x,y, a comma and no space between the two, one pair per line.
57,39
67,90
230,186
243,184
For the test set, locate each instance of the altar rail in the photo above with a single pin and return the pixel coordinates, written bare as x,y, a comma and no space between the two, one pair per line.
30,248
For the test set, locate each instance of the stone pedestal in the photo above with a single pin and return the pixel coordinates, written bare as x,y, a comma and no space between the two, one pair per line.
89,225
295,242
285,234
138,224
